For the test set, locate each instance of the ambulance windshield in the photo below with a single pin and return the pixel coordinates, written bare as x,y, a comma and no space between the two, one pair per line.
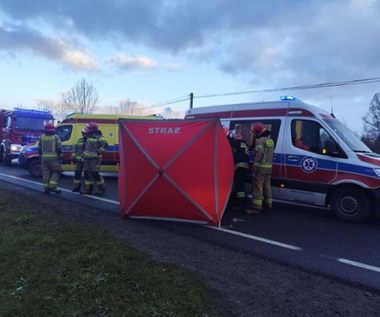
64,132
354,143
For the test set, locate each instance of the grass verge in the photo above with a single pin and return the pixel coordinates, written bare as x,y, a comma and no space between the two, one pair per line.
50,267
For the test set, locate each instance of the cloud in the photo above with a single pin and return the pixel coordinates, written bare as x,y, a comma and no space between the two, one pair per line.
131,62
330,42
18,39
172,66
270,43
166,24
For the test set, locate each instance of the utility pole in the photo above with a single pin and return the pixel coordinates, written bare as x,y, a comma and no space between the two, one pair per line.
191,100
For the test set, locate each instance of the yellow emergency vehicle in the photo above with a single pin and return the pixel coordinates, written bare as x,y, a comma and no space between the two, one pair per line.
70,130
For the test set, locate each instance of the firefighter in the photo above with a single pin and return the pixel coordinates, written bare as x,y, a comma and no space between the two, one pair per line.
50,150
239,148
78,160
262,169
95,145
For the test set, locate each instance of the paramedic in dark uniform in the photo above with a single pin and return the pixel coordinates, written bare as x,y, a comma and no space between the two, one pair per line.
262,169
95,145
50,150
240,153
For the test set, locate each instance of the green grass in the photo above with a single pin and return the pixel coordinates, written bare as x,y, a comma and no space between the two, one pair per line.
49,267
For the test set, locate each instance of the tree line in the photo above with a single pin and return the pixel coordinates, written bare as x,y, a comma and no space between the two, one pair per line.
371,123
83,97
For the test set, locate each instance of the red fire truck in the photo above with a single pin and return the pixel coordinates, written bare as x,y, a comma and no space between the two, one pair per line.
18,128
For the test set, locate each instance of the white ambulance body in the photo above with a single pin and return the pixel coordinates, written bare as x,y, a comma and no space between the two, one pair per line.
332,169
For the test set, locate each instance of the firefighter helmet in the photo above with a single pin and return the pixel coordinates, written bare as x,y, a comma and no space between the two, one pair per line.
92,126
49,127
258,128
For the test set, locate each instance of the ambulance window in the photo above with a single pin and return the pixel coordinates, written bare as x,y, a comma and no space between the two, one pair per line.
272,125
64,132
311,136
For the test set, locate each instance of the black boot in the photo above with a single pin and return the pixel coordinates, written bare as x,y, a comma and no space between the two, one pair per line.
100,192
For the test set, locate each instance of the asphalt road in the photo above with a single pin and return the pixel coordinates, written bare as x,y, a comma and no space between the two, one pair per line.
306,238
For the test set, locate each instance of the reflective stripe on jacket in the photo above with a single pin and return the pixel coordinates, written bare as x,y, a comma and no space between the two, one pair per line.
49,146
240,153
264,150
78,149
94,147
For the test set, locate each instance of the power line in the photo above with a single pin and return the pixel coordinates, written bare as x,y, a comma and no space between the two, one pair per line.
313,86
168,102
303,87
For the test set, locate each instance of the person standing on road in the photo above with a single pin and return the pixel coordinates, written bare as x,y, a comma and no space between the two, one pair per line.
262,169
78,159
239,148
50,150
95,145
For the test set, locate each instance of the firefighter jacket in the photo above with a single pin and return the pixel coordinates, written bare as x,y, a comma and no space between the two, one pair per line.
95,145
240,153
49,146
263,152
77,155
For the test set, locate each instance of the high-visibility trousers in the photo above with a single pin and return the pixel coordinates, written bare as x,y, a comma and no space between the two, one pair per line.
262,189
51,171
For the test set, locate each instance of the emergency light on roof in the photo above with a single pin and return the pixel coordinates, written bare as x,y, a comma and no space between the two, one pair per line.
287,98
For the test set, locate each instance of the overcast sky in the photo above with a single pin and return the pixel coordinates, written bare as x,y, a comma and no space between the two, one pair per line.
153,51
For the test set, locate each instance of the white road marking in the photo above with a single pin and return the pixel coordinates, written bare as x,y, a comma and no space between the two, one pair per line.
237,233
249,236
20,179
63,189
358,264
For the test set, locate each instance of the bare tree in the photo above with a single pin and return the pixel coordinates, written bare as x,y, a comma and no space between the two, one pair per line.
127,107
131,107
45,105
371,122
82,98
62,108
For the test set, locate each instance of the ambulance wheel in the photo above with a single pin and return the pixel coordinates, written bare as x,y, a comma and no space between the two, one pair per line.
350,204
34,168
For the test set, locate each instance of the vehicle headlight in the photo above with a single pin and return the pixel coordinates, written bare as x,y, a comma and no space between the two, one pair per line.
15,147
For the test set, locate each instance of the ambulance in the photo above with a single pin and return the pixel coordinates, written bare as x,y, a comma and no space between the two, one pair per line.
70,130
318,161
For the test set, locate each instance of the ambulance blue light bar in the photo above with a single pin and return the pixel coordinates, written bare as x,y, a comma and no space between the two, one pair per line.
287,98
